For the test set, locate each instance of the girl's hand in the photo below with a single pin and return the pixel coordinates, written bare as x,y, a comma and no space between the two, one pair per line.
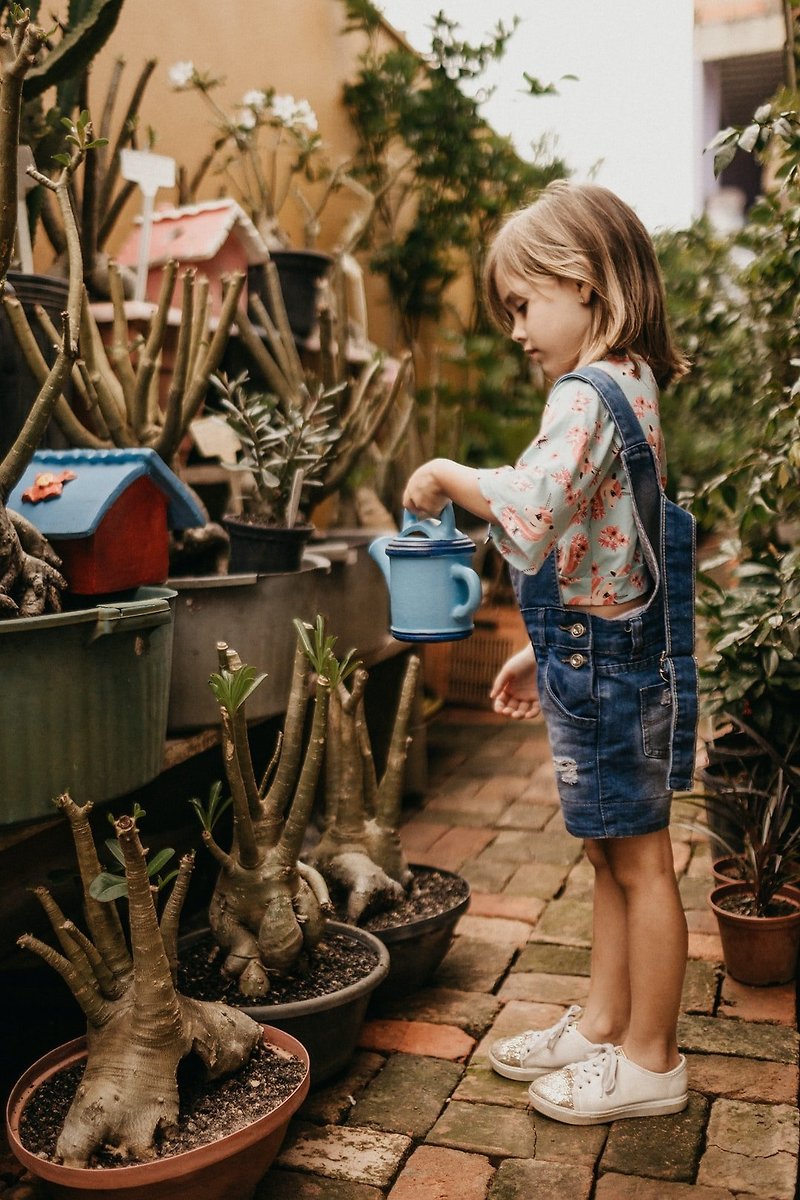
515,692
424,495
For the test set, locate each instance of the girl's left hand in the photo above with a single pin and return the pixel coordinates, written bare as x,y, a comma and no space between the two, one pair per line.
423,495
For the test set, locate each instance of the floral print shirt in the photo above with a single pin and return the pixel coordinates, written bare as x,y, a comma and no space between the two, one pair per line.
569,491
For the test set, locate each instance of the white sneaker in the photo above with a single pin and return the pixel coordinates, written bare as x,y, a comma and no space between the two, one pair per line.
607,1087
540,1051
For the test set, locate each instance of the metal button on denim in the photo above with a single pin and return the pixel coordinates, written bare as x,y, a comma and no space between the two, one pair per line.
577,660
577,630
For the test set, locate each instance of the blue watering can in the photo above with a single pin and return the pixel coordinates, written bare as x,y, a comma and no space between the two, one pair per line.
433,591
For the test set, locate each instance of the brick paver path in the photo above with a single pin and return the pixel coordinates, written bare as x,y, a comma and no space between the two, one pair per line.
418,1115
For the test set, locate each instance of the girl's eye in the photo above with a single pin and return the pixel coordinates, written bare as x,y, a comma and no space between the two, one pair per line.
521,308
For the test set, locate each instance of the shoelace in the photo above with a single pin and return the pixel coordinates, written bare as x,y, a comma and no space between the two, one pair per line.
555,1031
602,1065
526,1043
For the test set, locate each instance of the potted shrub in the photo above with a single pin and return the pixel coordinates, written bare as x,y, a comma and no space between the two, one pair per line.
270,946
124,1132
752,823
283,452
261,151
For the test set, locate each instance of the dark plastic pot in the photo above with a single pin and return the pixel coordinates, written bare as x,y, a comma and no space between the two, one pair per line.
231,1166
417,948
265,549
300,272
328,1026
758,950
18,387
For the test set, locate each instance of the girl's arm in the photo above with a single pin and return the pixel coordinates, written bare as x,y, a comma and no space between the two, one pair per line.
435,482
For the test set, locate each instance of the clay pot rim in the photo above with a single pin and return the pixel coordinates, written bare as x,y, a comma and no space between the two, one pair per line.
738,888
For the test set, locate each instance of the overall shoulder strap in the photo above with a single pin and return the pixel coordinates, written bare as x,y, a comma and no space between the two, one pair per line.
628,425
667,534
638,460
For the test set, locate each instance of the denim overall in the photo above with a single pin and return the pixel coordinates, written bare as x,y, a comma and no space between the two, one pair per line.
620,696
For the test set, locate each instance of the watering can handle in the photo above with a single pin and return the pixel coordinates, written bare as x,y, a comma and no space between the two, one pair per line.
472,580
445,530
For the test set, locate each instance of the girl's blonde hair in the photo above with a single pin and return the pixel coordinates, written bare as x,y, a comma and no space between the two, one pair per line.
585,233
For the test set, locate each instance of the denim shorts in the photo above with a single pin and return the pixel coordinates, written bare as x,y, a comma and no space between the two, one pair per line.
608,710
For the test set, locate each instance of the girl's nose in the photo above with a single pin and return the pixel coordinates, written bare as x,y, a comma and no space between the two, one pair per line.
518,329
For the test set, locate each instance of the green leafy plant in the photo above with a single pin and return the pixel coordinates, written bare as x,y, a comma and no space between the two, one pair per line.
112,885
754,629
761,835
209,813
283,451
441,177
710,413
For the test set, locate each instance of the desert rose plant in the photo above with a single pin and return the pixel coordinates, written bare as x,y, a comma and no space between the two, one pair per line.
140,1027
269,909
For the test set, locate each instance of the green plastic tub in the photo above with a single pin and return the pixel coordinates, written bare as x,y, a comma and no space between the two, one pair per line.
83,702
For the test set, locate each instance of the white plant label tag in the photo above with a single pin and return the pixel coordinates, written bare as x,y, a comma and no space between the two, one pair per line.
151,172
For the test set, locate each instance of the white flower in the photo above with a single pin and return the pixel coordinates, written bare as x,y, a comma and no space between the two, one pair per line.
255,99
181,74
246,118
305,115
290,112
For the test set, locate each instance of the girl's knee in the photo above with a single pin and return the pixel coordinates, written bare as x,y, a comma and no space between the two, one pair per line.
596,853
642,860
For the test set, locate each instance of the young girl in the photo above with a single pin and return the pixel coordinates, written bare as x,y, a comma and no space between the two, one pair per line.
603,568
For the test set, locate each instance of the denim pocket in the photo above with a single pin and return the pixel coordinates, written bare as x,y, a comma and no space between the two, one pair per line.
569,685
656,713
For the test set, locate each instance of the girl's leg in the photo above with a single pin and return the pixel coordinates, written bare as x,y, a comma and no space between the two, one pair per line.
606,1012
657,942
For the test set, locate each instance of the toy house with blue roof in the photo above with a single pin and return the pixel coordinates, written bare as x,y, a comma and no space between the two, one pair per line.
107,514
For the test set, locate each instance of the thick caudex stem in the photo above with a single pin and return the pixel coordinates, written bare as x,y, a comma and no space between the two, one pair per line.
139,1025
359,854
268,909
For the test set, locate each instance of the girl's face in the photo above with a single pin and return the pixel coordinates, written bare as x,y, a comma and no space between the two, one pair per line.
551,319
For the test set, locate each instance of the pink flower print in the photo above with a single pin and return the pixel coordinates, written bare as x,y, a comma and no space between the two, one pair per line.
607,494
580,402
586,467
581,511
570,559
534,526
578,439
611,537
637,581
656,439
608,594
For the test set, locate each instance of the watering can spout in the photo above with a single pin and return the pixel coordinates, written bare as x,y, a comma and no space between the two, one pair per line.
377,552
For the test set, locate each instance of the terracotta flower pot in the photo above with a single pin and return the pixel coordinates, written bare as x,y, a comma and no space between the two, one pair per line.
231,1166
726,870
758,950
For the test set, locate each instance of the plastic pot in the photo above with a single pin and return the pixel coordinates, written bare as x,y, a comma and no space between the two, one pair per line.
758,950
231,1166
328,1026
416,948
265,549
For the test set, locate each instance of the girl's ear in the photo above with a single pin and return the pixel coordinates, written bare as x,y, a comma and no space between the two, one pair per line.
584,292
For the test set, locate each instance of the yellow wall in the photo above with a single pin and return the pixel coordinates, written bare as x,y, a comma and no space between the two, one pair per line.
295,46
